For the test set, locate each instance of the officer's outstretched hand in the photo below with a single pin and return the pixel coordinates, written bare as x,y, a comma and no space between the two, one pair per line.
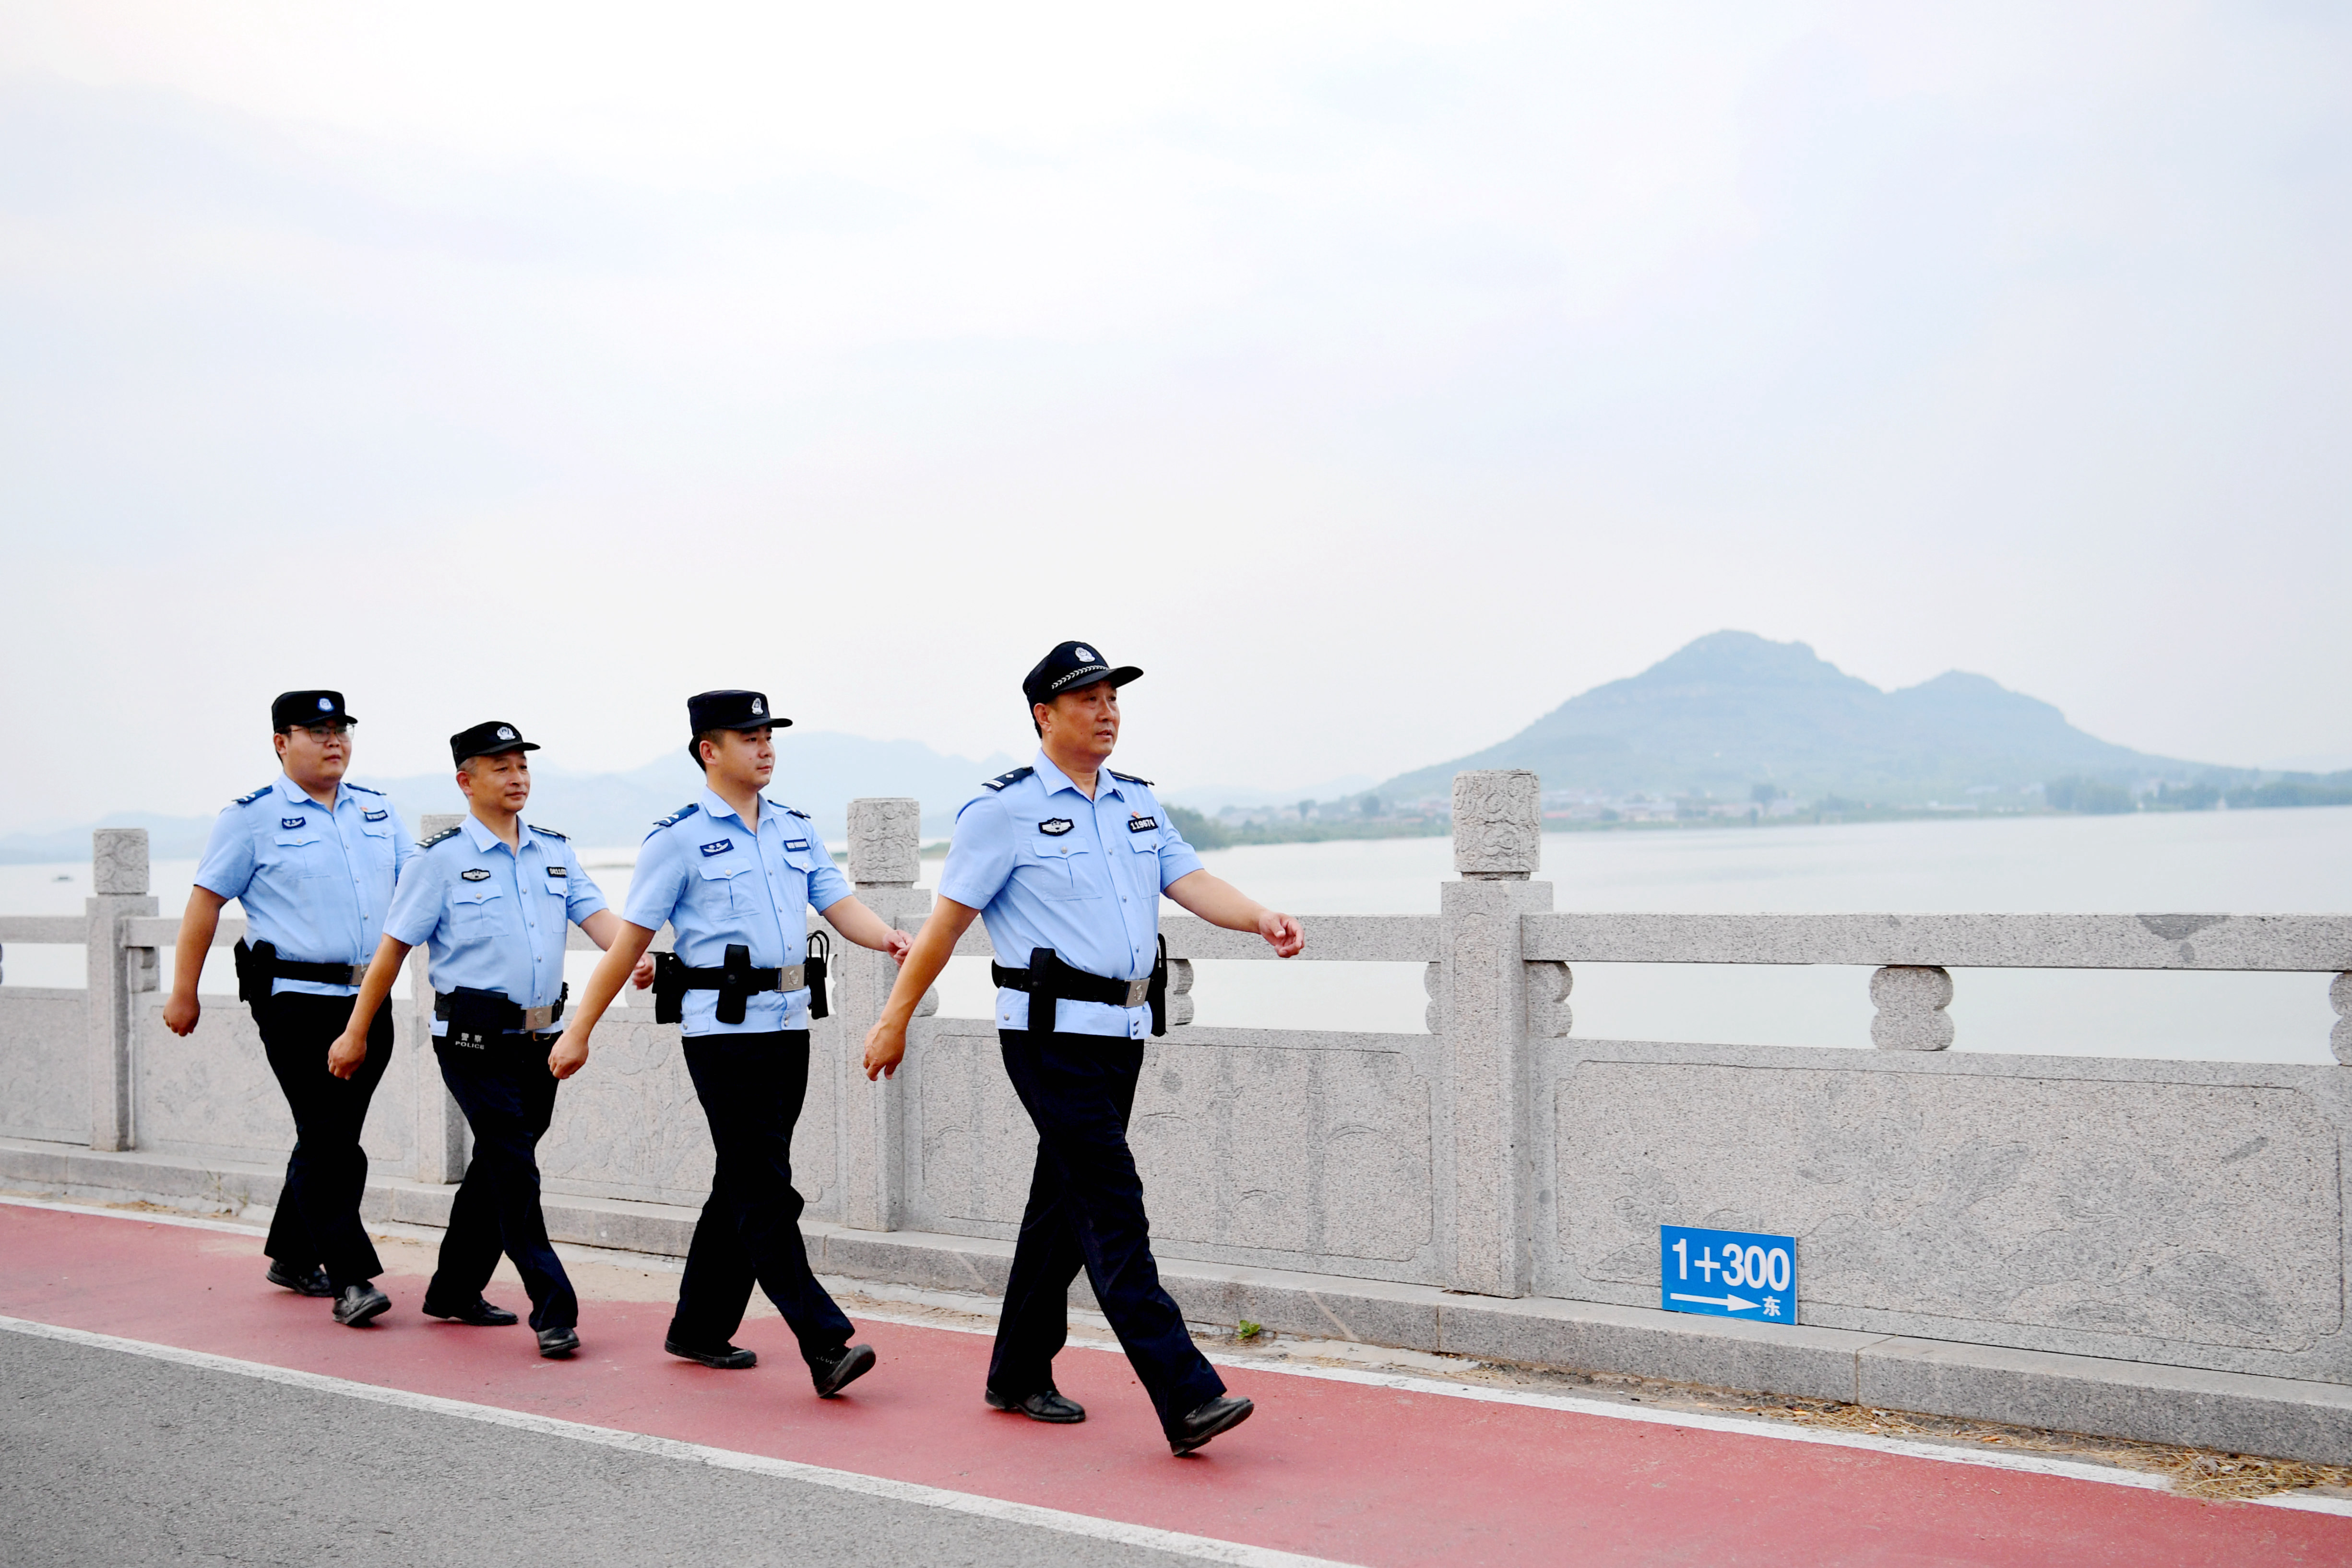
1283,931
570,1055
885,1048
899,944
180,1013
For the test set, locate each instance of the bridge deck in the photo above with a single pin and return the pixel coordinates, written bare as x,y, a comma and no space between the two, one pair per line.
1334,1469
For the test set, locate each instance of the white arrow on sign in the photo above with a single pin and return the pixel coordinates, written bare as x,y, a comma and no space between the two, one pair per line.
1727,1303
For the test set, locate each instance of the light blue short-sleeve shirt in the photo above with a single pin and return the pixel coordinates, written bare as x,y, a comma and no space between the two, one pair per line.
491,918
1045,866
315,880
717,883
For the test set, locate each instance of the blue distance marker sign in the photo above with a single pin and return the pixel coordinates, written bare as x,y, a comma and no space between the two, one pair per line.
1727,1274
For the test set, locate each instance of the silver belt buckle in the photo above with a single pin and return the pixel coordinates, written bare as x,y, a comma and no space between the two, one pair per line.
358,974
793,977
1138,991
537,1018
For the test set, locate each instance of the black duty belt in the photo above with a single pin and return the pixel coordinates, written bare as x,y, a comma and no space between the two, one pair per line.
257,964
1048,980
737,982
477,1017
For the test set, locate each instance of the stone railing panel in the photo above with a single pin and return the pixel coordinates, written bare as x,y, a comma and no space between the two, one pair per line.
628,1125
44,1067
212,1095
2174,1211
1294,1148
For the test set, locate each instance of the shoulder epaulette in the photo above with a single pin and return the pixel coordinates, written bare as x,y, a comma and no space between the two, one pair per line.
680,815
1015,777
549,832
362,789
445,833
257,795
792,811
1127,778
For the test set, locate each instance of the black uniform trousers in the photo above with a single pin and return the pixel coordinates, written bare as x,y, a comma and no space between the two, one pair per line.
317,1220
509,1098
751,1087
1086,1209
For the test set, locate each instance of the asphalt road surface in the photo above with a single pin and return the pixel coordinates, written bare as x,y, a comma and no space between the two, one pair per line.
108,1458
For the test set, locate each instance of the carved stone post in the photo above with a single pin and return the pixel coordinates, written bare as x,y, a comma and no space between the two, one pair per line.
118,880
443,1143
1911,999
2339,992
885,855
1480,1004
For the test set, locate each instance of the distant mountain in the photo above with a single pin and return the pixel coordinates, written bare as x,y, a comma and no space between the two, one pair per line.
1732,711
819,773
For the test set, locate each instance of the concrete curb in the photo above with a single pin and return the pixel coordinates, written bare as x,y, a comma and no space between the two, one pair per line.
2236,1411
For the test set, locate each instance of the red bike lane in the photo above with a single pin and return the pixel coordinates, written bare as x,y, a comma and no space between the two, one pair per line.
1336,1469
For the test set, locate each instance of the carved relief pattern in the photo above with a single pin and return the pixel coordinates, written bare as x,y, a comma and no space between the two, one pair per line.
2340,1038
118,860
884,841
1911,999
1549,1014
1497,823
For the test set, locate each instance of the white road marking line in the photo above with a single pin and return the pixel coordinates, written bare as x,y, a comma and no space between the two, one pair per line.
2022,1463
1201,1547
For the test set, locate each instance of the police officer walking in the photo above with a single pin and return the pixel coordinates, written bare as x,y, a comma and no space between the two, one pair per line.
312,860
1067,861
733,874
493,897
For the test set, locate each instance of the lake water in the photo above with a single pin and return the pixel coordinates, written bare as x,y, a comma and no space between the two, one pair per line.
2237,862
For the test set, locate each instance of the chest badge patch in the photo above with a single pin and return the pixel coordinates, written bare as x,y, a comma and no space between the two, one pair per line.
1139,823
1055,826
720,848
476,874
559,872
286,822
373,816
795,843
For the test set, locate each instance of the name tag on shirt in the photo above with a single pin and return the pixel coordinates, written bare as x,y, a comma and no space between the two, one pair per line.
373,816
286,822
559,872
720,848
795,843
476,874
1055,826
1141,823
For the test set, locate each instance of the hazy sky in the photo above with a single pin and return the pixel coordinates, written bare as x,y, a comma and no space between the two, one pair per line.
1377,376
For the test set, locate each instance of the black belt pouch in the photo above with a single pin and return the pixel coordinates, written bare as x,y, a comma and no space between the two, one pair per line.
476,1018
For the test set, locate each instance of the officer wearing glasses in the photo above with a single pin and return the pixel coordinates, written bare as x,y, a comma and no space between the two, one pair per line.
1066,860
733,874
493,896
312,860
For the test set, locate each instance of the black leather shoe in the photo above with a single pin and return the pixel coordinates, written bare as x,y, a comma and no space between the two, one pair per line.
481,1314
359,1305
557,1343
1219,1415
726,1357
849,1363
314,1283
1047,1404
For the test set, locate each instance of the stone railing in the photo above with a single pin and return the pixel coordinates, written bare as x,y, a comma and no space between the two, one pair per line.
2183,1213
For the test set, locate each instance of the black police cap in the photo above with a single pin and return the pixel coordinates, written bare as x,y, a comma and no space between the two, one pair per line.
293,708
1070,666
491,738
730,710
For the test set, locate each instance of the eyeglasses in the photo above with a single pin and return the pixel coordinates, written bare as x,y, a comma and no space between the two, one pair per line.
323,733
